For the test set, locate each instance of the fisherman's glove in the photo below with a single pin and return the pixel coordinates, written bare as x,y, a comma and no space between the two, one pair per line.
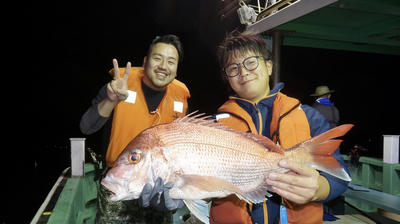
158,197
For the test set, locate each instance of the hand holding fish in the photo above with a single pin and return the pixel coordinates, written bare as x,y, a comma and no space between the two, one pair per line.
117,89
300,185
158,197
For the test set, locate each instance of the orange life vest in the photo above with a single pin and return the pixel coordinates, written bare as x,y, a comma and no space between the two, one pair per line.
289,124
132,115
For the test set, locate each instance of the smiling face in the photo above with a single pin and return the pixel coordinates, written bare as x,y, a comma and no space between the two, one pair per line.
161,66
251,85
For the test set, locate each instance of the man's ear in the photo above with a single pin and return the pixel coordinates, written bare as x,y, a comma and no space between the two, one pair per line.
269,66
144,61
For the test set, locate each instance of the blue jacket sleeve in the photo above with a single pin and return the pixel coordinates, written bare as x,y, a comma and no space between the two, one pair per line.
318,125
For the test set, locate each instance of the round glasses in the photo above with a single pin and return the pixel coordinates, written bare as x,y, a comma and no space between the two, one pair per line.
249,64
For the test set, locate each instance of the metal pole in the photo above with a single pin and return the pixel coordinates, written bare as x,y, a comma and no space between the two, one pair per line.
276,56
391,149
77,156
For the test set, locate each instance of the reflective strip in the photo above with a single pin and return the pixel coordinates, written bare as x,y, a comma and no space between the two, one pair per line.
220,116
131,97
265,211
178,106
283,215
260,121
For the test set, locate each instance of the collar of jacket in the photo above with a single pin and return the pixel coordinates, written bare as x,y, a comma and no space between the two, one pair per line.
324,101
261,111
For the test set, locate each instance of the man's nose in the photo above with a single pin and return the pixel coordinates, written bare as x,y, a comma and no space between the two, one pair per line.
163,64
242,70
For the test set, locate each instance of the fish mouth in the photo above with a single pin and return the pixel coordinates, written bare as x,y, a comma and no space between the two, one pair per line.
109,184
119,189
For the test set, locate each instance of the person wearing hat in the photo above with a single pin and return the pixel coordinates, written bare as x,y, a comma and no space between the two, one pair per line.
325,106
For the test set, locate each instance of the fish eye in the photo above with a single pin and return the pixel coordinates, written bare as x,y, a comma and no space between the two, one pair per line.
134,157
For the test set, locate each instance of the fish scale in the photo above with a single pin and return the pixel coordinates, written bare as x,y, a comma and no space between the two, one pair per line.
248,165
207,160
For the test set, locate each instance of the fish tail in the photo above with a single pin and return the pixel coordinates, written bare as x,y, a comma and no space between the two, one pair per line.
322,147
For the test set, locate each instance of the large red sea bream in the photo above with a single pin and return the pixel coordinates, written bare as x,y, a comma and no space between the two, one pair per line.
207,160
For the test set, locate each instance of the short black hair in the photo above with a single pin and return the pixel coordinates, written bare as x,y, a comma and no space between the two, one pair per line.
168,39
241,42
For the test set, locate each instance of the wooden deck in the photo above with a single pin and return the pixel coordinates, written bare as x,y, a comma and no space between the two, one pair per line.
350,219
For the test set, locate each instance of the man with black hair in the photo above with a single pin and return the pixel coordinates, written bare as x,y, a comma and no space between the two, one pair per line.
255,107
134,100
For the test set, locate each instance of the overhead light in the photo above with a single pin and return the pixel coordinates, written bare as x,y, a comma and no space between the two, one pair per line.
247,15
284,11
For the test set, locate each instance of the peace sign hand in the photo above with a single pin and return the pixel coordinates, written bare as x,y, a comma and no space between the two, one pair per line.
117,89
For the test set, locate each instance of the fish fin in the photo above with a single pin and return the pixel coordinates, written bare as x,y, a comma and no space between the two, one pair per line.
198,119
201,120
191,117
266,142
322,146
328,135
200,187
260,194
199,208
205,121
329,165
213,187
325,148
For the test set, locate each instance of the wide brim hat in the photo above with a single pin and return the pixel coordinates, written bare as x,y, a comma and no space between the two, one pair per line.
322,90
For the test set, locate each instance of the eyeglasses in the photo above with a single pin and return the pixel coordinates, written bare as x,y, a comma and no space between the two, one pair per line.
249,64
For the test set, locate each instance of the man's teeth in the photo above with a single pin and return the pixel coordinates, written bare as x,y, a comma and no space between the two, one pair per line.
163,74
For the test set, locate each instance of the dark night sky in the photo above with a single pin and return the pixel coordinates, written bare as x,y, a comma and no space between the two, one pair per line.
74,44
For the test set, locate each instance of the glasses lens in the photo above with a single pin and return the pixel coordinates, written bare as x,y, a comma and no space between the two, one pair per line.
231,70
251,63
